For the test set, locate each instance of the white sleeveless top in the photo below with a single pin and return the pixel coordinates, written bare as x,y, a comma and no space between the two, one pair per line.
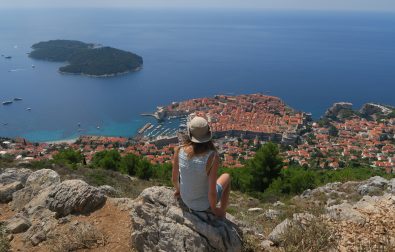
194,180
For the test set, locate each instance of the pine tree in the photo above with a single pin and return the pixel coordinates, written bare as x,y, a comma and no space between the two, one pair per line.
265,166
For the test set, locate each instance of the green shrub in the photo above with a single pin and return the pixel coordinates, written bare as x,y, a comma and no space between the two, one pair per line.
240,178
265,167
68,156
294,180
108,159
144,170
163,172
129,164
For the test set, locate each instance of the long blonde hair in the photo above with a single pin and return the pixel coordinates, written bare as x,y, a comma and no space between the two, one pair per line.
193,149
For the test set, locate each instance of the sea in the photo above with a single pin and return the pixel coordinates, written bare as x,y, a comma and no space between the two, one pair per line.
310,59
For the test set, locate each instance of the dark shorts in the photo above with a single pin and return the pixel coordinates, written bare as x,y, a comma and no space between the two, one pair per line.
219,192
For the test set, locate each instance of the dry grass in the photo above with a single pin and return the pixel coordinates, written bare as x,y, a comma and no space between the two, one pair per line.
386,244
313,236
4,243
75,237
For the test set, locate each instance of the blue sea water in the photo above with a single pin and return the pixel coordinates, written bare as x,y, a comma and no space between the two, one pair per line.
309,59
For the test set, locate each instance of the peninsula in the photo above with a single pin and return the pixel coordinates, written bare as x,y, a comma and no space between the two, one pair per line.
87,59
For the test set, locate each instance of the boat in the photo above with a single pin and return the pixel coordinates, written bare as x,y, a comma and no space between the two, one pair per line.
7,102
8,57
18,99
98,127
33,66
28,109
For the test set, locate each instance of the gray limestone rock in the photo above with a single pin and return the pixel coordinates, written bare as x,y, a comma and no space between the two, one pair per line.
74,196
373,185
37,181
6,190
108,190
11,175
162,223
267,244
277,233
17,224
271,214
391,186
42,178
255,209
12,180
345,211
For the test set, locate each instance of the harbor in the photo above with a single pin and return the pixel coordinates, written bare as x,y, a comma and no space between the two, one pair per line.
163,129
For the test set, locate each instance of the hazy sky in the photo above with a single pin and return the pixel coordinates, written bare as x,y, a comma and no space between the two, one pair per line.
375,5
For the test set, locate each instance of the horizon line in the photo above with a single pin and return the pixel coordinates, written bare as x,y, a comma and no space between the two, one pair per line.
197,8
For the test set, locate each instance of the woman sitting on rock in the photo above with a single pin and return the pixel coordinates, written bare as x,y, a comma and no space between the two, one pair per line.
195,167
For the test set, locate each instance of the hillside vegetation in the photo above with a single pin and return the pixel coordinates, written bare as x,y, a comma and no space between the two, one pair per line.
279,209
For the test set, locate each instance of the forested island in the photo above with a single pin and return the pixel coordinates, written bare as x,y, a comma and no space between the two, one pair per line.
86,58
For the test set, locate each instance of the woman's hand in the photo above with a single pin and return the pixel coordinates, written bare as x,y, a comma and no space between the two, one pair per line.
177,194
219,212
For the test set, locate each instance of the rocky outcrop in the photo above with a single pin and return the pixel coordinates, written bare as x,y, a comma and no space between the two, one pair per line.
162,223
373,185
108,190
7,190
17,224
391,186
159,222
36,181
358,213
374,111
339,110
345,211
12,180
10,175
74,196
276,236
40,199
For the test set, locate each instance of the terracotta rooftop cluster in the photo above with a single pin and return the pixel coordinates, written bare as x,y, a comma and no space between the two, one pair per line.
255,113
357,139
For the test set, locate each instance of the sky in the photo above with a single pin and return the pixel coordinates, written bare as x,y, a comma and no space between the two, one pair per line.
363,5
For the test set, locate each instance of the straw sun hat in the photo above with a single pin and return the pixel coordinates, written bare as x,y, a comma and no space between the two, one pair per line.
199,130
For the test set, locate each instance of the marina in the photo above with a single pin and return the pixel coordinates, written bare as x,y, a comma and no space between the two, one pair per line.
166,128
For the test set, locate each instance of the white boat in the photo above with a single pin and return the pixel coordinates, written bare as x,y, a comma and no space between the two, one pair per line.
28,109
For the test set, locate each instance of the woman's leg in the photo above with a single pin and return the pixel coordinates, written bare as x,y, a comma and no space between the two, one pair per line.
224,181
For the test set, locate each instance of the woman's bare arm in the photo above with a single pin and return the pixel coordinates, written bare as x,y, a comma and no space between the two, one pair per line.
175,171
212,191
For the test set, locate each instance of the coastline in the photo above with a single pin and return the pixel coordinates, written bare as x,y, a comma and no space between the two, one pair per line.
63,141
103,75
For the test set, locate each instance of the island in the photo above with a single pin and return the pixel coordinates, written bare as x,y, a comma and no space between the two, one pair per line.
87,58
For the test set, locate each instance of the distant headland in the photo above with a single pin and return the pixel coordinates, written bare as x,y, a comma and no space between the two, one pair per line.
86,58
